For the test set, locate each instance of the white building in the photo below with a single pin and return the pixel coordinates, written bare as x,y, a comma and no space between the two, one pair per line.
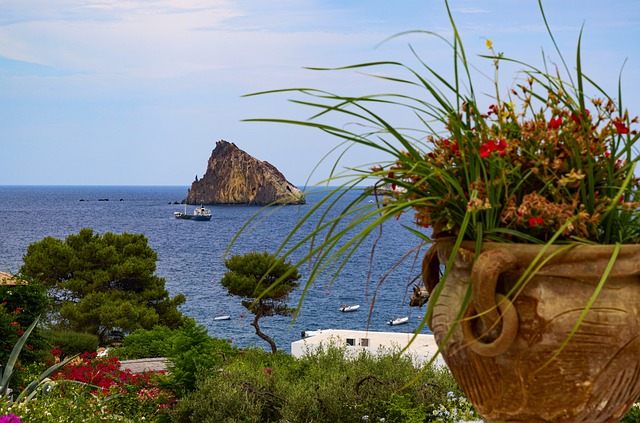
422,349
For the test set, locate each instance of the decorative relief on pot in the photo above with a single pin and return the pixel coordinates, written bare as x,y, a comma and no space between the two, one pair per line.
508,352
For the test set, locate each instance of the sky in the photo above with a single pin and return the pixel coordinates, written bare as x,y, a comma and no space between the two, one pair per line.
138,92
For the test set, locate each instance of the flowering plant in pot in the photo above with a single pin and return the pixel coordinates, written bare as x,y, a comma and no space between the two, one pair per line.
531,206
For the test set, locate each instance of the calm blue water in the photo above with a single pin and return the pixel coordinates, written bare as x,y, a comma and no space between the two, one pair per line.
190,255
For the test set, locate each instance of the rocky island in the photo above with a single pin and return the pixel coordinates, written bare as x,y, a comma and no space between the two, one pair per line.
235,177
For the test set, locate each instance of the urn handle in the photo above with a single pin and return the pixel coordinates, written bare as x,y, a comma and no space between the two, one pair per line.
490,323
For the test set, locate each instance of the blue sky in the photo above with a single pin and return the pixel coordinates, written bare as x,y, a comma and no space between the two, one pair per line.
137,92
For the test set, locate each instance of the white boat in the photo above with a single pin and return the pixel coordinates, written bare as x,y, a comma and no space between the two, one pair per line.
350,308
398,321
222,317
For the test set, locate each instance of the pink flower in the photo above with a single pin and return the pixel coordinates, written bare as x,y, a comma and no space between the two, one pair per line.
9,418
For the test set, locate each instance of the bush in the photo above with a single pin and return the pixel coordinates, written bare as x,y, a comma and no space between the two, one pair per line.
20,305
189,350
142,343
193,350
75,405
633,416
128,394
456,408
323,386
30,298
70,343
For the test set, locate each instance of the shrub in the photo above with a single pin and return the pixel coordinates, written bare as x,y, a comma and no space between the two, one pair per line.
26,374
633,416
143,343
188,348
75,405
194,350
323,386
401,409
128,394
456,408
71,343
20,305
30,298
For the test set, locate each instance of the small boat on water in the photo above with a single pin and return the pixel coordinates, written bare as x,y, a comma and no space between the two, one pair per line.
225,317
398,321
350,308
200,213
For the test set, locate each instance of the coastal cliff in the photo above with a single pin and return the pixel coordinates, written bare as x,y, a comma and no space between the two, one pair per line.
235,177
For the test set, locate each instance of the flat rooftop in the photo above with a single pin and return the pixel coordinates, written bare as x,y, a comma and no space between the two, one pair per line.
422,349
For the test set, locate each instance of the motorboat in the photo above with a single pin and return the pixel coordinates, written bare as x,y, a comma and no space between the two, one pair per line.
398,321
350,308
225,317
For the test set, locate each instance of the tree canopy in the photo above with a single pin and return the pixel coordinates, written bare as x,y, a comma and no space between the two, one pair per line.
252,276
99,283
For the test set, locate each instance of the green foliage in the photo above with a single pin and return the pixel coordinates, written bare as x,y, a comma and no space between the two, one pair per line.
633,416
20,305
26,374
75,405
6,371
30,298
251,274
324,386
189,349
400,409
102,283
455,409
193,350
147,343
146,401
266,281
71,343
41,383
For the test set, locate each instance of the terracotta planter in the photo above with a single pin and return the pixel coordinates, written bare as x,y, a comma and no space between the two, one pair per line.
504,360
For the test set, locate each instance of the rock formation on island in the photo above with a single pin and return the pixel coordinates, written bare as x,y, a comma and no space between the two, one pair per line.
235,177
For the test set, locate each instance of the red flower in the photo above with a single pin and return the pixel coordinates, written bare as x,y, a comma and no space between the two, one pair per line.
555,123
486,149
493,145
621,127
452,145
535,221
579,118
501,146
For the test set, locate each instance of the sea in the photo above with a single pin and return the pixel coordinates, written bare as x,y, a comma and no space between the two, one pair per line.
378,276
